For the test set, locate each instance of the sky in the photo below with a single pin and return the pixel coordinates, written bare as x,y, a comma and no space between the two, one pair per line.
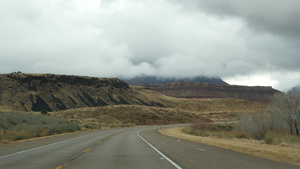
249,42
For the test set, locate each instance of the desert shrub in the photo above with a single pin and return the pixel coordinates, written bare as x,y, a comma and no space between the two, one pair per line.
286,108
291,139
22,125
254,124
187,130
225,127
271,138
44,111
88,126
197,132
203,125
4,124
258,124
205,129
274,137
205,133
23,134
192,131
240,134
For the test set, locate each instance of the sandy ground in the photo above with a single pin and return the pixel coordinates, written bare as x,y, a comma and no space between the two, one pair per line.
282,153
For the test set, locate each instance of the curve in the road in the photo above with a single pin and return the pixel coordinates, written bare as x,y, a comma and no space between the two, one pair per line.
136,147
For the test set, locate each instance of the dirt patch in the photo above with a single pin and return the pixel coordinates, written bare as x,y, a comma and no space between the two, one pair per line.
282,153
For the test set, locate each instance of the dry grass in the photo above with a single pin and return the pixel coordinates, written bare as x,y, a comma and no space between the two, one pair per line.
282,153
125,115
176,110
218,109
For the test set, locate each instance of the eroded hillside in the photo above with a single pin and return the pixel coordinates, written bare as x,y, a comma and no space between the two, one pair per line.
33,92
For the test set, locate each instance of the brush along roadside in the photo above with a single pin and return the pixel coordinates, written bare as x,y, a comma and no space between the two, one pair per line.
20,125
283,152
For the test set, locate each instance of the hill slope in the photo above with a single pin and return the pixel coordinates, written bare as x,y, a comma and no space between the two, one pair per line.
97,102
32,92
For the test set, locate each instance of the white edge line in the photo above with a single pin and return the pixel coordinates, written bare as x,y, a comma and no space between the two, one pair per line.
170,161
20,152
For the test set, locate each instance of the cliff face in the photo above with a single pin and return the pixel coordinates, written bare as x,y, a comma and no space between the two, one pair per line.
32,92
204,90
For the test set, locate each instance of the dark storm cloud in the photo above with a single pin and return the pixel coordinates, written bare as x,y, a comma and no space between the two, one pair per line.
167,38
279,17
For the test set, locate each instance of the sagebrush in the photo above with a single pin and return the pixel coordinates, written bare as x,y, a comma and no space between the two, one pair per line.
20,125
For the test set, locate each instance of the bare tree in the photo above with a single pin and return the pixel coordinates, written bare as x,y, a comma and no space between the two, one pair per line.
287,107
255,124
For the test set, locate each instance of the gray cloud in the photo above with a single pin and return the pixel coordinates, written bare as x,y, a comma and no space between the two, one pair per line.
280,17
164,38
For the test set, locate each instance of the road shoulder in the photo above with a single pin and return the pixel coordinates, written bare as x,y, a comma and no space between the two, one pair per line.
252,147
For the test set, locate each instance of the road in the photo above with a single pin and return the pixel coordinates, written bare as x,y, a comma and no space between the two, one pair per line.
132,148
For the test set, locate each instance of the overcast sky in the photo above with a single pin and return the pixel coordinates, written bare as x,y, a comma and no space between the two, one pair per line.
248,42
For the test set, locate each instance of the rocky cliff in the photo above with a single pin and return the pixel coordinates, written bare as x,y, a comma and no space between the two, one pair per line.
35,92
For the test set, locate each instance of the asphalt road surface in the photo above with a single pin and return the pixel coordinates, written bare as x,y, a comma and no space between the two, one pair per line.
126,148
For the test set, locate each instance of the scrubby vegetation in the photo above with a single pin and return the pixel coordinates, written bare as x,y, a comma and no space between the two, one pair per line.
278,125
206,129
240,131
20,126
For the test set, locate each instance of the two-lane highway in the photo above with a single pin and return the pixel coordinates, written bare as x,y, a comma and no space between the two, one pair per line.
117,148
136,147
123,150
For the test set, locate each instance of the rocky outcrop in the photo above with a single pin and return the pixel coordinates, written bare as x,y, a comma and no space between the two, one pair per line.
205,90
35,92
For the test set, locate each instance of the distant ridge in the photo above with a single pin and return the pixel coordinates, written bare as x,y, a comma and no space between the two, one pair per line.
157,80
204,90
295,91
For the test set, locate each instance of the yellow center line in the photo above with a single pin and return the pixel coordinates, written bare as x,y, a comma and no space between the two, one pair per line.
59,167
86,150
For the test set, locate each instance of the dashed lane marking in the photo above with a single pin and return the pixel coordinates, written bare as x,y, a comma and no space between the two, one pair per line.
200,149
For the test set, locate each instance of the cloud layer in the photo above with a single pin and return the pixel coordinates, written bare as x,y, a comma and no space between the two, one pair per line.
232,39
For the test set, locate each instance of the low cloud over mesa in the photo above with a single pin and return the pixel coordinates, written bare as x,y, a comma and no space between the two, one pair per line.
231,39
